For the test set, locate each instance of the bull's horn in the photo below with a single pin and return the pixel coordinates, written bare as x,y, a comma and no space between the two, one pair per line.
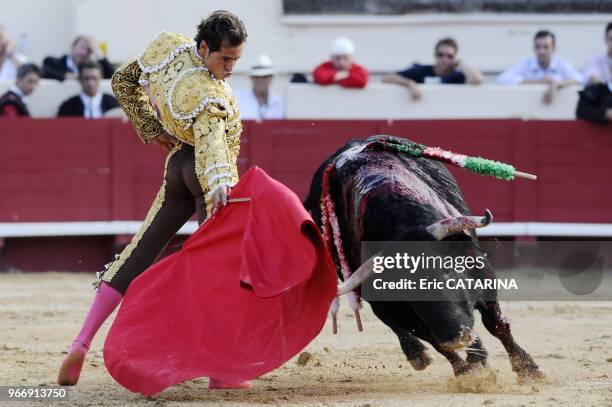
359,276
446,227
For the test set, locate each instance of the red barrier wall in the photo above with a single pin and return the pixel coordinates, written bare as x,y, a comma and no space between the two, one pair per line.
80,170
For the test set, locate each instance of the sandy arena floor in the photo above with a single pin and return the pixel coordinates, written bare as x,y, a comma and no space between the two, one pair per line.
40,314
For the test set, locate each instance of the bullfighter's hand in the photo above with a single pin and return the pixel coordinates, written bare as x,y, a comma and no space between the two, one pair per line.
219,196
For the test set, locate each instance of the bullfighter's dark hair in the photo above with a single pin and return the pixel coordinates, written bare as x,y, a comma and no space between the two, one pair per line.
218,27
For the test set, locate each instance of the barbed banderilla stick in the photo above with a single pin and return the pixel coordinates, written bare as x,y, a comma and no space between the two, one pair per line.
477,165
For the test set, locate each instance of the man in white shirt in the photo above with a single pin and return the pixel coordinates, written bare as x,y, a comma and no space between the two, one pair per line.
259,103
91,103
599,69
544,68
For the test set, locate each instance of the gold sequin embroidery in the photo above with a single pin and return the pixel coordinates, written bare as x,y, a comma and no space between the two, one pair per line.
135,102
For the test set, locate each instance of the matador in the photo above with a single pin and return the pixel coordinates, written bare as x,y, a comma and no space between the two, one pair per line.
175,95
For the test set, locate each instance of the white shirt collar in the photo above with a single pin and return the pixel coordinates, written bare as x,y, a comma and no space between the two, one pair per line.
195,50
71,65
95,102
96,98
552,67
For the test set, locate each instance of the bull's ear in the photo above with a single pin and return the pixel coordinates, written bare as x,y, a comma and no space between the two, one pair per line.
445,227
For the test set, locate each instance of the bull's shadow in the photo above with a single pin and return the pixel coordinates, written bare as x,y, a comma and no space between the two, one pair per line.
365,192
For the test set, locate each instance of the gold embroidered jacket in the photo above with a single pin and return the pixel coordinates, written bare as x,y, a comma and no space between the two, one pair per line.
191,103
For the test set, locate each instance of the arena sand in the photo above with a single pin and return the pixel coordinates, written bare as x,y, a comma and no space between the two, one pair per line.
40,313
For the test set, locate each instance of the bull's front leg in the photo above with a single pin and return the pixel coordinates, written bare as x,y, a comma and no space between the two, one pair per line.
459,365
398,320
496,323
477,354
418,356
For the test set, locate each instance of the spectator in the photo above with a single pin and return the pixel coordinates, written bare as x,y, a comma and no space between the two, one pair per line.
260,103
544,67
447,69
10,59
597,69
341,69
66,67
90,103
14,102
595,103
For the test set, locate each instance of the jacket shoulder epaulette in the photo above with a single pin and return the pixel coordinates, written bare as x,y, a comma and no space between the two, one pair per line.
193,91
163,50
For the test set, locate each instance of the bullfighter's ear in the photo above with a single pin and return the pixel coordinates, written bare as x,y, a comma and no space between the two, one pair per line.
449,226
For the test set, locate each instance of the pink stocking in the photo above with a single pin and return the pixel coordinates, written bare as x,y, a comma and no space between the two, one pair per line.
105,302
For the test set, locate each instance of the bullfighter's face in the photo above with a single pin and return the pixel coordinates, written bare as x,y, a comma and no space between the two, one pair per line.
221,63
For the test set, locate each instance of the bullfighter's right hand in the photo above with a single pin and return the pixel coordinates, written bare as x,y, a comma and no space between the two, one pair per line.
219,195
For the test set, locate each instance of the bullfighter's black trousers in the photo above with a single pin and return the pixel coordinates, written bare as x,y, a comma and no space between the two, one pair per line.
179,197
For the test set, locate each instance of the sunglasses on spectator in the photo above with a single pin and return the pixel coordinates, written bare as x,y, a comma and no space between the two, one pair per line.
444,55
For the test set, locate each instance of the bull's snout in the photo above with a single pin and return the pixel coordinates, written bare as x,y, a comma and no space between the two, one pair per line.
464,339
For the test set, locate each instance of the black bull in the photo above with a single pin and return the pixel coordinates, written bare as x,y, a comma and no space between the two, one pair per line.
382,195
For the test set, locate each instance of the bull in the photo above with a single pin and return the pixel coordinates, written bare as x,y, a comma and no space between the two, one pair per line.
383,195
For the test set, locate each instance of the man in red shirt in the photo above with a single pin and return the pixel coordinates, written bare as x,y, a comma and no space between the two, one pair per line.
341,69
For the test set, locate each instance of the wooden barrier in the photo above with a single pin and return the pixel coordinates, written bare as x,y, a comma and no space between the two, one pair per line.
75,170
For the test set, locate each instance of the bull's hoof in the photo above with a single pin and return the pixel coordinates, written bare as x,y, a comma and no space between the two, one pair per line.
464,339
478,364
461,368
477,359
423,359
526,369
530,374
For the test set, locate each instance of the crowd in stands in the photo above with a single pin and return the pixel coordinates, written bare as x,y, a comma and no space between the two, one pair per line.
83,63
88,64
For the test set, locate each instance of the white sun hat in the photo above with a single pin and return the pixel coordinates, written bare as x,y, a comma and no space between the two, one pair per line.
342,46
263,66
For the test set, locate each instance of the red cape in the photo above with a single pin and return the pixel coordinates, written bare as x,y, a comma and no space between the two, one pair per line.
249,290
